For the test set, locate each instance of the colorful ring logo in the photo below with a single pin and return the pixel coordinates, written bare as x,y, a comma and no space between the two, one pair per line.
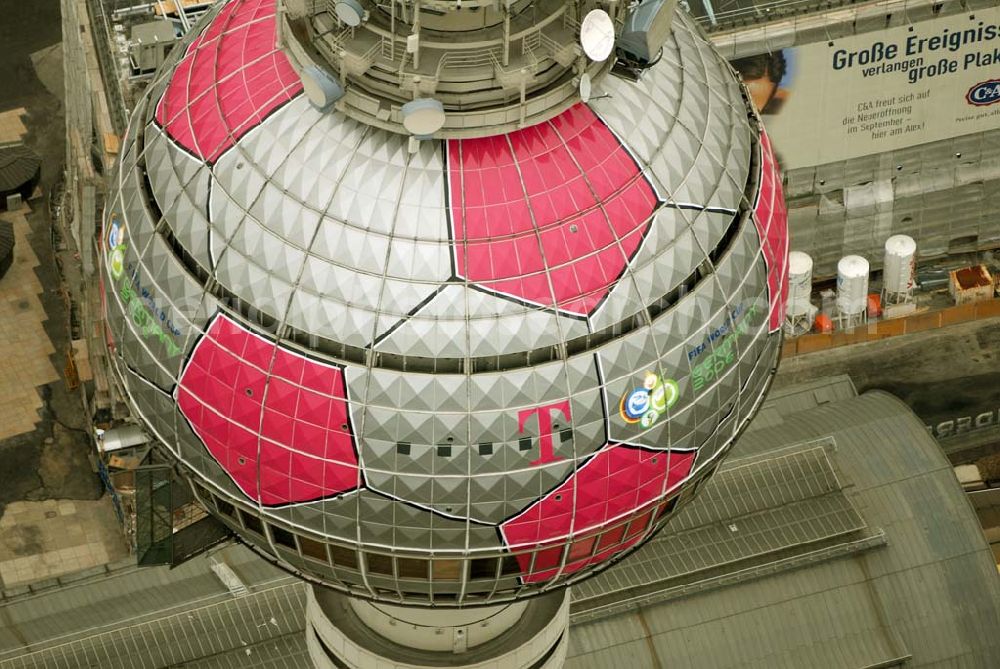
116,233
665,395
116,247
634,404
117,262
645,405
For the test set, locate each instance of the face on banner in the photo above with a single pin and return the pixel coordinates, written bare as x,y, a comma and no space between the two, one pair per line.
879,91
766,77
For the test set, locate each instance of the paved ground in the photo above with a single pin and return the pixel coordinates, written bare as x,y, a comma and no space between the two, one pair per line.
42,540
53,518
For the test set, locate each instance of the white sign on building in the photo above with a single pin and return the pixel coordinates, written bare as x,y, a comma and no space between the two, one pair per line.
879,91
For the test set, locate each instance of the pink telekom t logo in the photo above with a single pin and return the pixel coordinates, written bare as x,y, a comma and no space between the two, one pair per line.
544,414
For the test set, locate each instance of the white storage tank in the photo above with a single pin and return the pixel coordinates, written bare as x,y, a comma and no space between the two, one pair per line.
852,285
897,268
800,267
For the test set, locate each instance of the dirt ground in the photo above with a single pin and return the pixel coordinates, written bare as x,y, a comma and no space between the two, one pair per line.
943,375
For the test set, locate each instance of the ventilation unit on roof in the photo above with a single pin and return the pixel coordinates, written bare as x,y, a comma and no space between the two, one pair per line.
647,27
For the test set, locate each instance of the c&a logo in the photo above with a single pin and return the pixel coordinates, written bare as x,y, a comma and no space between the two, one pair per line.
984,93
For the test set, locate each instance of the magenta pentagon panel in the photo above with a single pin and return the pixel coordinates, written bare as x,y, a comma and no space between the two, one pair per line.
619,482
771,218
549,215
275,421
231,77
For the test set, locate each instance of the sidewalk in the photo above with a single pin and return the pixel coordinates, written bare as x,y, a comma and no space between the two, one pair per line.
52,538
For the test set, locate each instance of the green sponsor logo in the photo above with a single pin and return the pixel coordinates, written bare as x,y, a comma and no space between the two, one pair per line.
724,353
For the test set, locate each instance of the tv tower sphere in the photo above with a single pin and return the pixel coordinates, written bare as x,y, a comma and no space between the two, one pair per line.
430,307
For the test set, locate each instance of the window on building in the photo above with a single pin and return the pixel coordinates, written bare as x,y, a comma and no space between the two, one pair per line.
379,564
639,525
480,568
612,537
282,537
225,508
344,557
252,523
450,570
667,507
547,558
412,568
581,548
510,566
312,549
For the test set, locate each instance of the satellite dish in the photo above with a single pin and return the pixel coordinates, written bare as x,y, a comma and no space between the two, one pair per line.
320,87
423,117
350,12
597,35
585,87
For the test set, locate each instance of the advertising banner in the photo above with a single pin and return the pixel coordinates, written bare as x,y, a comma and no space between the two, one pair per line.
880,91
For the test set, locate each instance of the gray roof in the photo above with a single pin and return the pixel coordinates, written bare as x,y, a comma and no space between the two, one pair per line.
929,592
851,550
126,617
724,14
154,31
18,166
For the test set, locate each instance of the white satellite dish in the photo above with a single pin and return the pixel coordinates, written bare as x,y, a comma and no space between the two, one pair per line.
585,87
322,88
423,117
597,35
350,12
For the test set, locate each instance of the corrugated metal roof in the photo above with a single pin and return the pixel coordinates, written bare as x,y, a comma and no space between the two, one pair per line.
779,505
927,588
124,598
288,652
723,14
219,629
18,166
931,592
785,401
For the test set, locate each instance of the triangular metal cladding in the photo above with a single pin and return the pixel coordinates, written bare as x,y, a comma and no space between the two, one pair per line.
449,491
412,536
485,489
417,489
450,393
491,426
380,480
490,511
412,428
417,390
445,538
377,533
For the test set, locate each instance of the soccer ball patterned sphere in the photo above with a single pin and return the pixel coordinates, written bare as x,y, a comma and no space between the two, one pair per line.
450,376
